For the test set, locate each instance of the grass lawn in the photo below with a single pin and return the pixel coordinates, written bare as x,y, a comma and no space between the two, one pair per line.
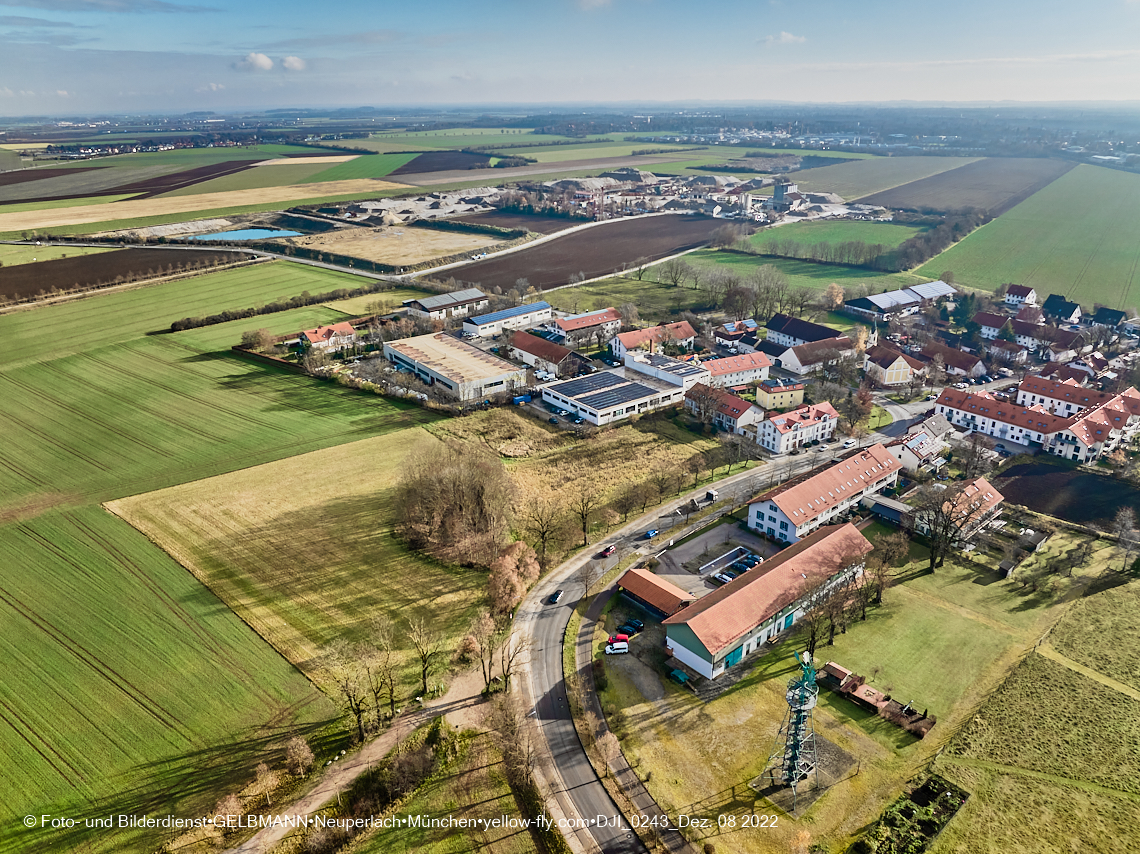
655,301
879,418
356,306
473,788
839,231
873,175
250,179
223,336
804,274
11,256
367,166
1113,617
1089,255
128,686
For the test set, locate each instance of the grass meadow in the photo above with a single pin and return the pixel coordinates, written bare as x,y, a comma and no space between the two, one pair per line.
1079,237
252,179
64,203
368,166
804,274
837,231
11,255
873,175
128,687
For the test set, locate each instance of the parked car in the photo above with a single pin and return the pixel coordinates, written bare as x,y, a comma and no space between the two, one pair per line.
555,597
578,419
552,419
637,624
850,443
932,397
616,648
986,378
825,447
722,577
618,638
609,550
627,630
751,560
794,451
651,533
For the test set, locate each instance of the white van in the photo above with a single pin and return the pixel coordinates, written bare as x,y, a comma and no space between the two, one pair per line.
617,648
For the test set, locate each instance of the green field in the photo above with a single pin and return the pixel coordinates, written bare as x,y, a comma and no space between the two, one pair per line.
442,140
64,203
254,179
128,687
873,175
190,158
804,274
11,255
367,166
1112,614
9,160
837,231
1079,237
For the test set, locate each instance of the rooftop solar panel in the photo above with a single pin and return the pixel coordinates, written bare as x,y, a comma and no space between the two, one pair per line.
584,385
515,311
617,396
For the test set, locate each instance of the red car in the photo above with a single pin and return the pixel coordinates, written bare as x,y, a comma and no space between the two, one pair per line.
618,639
608,550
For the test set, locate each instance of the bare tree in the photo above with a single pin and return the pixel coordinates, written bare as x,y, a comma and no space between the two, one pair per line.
541,517
976,456
427,644
298,756
380,665
943,516
881,562
487,636
342,663
583,505
703,401
675,271
513,652
639,268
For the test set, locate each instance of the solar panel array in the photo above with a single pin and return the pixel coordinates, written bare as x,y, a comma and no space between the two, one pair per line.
617,396
584,385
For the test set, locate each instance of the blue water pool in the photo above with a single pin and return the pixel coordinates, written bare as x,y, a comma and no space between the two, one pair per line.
248,234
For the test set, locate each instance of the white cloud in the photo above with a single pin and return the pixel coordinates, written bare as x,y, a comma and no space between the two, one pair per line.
211,87
6,92
62,93
783,38
293,63
254,62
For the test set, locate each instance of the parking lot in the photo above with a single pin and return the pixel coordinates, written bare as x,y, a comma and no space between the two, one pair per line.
713,543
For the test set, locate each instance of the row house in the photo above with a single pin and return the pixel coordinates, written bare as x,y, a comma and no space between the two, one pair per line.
792,511
738,370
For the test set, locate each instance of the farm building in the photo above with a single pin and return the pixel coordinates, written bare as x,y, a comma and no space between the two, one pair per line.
455,304
1019,295
887,366
792,511
607,396
465,372
668,370
808,358
779,393
602,324
656,595
783,433
335,337
738,370
723,409
544,355
517,317
791,331
718,630
679,334
955,362
882,307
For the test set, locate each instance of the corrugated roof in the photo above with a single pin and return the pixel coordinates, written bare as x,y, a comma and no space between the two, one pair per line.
506,313
449,299
590,318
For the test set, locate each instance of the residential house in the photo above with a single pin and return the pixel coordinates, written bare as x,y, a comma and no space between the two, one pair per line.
516,317
803,425
454,304
738,370
956,363
680,334
888,367
1109,317
544,355
792,511
718,630
1060,310
1094,364
920,449
1030,314
732,332
600,325
792,331
329,338
991,324
779,393
1019,295
723,409
1007,352
975,505
808,358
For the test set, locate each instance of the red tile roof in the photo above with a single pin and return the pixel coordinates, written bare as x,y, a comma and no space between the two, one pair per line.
803,416
678,331
322,334
661,594
727,614
977,498
734,364
585,321
804,501
540,347
1068,391
951,358
1019,290
1035,418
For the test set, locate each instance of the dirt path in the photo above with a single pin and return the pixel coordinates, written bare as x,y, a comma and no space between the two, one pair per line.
458,705
1049,652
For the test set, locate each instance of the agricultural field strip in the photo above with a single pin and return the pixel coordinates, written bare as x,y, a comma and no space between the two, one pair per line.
92,183
481,177
860,178
161,206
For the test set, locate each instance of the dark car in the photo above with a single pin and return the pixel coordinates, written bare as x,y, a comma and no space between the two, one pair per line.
554,597
637,624
626,630
794,451
552,420
579,420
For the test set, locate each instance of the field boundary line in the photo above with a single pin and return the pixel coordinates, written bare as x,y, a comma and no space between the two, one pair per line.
1015,771
1047,650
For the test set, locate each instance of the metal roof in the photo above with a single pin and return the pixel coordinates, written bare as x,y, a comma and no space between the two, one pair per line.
453,298
933,290
587,384
496,316
617,396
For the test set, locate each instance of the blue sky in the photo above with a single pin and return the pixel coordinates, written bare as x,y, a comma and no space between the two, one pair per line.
82,56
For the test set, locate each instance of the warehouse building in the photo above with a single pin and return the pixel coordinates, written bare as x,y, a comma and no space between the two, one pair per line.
607,396
464,372
518,317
